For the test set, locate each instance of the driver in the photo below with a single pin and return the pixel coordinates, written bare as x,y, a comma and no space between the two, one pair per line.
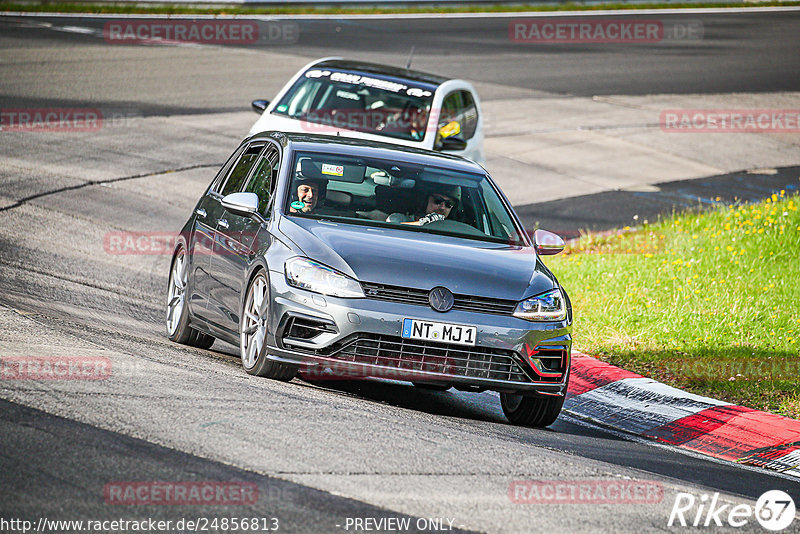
308,193
439,203
416,117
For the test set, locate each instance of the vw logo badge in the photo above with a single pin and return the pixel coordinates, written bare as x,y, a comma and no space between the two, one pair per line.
440,299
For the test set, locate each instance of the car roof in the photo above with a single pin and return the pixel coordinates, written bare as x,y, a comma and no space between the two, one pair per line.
383,70
361,147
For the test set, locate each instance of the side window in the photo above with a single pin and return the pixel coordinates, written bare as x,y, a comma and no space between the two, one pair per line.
264,178
469,116
500,223
300,99
451,106
223,171
240,171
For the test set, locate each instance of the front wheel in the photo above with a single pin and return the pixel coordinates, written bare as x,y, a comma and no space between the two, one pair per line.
531,411
253,333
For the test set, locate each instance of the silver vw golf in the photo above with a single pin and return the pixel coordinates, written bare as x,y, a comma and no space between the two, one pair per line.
343,258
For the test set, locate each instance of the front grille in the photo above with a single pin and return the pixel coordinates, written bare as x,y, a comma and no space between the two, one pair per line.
414,355
410,295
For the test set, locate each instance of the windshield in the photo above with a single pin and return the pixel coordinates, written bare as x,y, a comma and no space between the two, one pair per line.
332,100
411,197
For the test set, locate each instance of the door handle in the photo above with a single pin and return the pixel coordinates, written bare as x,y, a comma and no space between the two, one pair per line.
201,212
223,223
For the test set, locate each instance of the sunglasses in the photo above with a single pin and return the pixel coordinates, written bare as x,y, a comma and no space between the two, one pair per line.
441,200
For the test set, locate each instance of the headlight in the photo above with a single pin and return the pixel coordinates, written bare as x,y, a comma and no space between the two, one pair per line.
545,307
312,276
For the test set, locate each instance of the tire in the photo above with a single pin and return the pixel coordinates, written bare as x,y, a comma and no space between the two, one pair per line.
531,411
178,329
433,386
253,328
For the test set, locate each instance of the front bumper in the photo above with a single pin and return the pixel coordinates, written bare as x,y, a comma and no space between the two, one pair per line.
336,338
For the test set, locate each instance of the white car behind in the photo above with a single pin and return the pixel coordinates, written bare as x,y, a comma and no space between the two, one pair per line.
333,96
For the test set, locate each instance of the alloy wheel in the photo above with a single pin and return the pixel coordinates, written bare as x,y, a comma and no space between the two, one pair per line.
176,296
254,323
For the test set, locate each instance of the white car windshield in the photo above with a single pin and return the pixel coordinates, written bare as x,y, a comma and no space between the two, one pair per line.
331,100
412,197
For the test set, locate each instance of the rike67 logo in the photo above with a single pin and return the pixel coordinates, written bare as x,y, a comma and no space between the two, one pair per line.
774,510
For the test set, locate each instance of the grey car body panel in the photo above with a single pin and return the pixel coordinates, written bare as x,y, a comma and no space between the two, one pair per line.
420,260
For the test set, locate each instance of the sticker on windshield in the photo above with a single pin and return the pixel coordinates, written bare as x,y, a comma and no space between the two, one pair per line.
415,91
282,108
316,73
377,83
332,170
298,205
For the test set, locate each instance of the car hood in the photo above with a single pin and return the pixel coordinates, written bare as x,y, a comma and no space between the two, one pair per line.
420,260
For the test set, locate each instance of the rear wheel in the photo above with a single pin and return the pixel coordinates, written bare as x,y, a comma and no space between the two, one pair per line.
531,411
178,328
253,327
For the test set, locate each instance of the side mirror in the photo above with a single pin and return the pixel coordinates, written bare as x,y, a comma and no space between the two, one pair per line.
245,204
547,243
259,105
453,143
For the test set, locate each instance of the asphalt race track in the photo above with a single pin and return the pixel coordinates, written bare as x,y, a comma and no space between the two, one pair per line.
317,456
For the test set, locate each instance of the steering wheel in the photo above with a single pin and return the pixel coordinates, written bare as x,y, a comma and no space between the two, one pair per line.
456,227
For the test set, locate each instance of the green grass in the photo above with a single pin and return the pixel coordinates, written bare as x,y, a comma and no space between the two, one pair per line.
167,9
709,302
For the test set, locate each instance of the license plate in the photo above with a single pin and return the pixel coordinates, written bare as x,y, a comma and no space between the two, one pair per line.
441,332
